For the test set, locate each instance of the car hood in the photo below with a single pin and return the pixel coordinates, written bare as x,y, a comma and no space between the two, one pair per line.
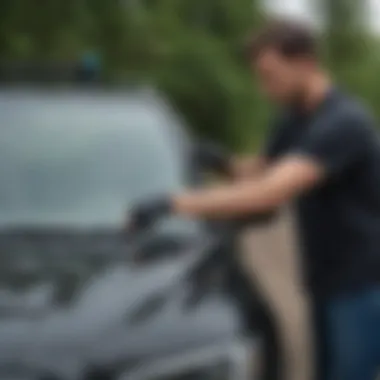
62,310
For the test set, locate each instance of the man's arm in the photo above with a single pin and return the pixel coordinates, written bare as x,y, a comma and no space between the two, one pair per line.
279,184
243,167
330,148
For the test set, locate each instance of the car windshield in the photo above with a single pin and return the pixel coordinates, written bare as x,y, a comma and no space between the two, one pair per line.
82,160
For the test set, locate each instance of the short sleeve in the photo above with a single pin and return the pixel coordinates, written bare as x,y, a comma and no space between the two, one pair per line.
337,143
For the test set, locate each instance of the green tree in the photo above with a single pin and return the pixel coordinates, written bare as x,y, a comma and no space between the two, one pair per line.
190,50
198,65
351,50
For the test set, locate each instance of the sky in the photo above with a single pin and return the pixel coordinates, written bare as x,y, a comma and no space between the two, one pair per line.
304,10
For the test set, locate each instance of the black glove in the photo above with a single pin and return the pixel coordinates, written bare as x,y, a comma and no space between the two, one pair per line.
145,214
213,157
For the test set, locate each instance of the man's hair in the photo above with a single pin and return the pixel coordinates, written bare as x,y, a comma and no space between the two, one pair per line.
292,39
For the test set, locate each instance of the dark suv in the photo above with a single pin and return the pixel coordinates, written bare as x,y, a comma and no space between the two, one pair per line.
77,301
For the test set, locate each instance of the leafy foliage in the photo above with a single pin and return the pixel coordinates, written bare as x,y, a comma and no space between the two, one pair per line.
191,50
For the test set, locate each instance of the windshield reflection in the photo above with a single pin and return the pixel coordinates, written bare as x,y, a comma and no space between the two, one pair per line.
81,163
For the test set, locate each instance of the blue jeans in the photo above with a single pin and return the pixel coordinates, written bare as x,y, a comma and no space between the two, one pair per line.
351,324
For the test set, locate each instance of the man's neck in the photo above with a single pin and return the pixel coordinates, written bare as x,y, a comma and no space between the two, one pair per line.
317,89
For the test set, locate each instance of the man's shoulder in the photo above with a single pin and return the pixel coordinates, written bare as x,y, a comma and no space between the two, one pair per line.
344,122
344,115
347,107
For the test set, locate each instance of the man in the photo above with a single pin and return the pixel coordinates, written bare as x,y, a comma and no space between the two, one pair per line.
324,155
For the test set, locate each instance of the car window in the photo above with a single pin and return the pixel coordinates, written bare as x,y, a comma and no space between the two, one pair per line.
82,161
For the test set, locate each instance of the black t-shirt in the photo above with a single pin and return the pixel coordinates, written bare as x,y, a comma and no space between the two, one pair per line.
339,221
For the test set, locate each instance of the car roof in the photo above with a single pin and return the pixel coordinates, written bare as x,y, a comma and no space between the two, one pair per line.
141,97
20,92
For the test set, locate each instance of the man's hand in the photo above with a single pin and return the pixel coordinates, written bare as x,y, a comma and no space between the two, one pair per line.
145,214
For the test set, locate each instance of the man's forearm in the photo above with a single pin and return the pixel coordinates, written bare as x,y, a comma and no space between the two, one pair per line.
232,201
277,185
249,194
243,167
